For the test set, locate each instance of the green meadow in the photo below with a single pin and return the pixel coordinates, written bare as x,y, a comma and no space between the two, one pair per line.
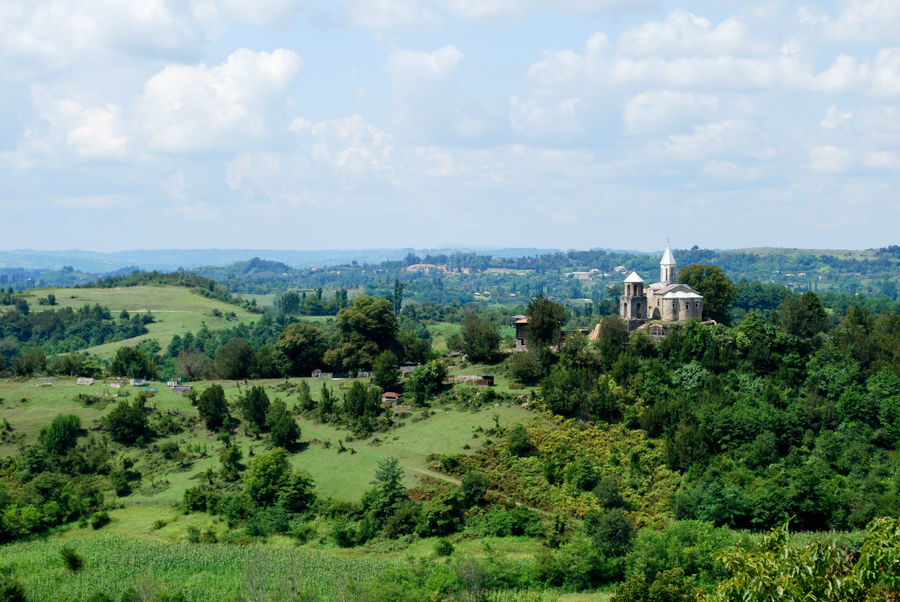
28,405
176,310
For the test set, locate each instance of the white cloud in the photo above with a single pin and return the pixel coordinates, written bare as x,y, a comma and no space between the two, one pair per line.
488,10
258,12
391,15
659,109
835,117
176,185
724,137
348,144
56,33
425,93
684,33
104,202
538,118
195,107
828,159
866,21
69,125
882,160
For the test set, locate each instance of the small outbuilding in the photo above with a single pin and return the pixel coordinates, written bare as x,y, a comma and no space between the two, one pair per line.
521,327
390,397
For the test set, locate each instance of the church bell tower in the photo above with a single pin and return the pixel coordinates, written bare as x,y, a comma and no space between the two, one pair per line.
667,267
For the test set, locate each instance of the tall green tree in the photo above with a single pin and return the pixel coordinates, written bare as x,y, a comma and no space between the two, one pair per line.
480,338
361,400
803,316
426,381
127,422
717,289
299,349
289,303
545,317
236,360
133,363
397,297
365,329
213,408
384,371
267,474
61,435
283,428
254,405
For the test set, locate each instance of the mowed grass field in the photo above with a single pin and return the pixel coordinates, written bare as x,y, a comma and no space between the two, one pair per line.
176,310
29,406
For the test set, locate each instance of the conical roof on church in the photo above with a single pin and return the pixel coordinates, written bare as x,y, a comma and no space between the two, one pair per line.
667,258
633,277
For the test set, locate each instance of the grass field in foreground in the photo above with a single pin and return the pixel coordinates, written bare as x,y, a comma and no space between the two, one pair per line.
176,310
115,562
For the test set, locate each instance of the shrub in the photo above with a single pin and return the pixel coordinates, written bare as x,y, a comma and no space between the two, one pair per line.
473,487
668,586
61,435
518,444
611,532
578,565
127,422
342,533
73,560
443,547
301,530
298,492
526,368
442,515
609,492
266,521
582,474
100,519
10,589
213,409
200,499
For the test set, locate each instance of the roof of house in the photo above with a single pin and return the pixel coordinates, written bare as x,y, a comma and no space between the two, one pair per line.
390,395
682,295
633,277
523,320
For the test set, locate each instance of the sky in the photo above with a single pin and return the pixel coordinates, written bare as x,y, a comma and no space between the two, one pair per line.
281,124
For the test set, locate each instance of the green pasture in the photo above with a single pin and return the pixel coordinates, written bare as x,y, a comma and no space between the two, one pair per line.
440,333
176,310
29,406
262,299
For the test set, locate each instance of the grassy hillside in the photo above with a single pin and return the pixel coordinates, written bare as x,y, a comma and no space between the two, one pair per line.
176,309
29,406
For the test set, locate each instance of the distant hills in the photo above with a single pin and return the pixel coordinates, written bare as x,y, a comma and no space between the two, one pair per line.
171,259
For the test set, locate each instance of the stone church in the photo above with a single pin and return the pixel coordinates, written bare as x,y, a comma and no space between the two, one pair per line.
664,300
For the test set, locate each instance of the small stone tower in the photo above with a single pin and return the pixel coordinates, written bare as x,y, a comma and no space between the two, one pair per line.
633,302
667,267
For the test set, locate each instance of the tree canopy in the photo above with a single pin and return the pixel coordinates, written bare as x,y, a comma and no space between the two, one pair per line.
717,289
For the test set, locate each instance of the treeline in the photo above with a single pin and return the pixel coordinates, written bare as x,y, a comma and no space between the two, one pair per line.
27,338
463,274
